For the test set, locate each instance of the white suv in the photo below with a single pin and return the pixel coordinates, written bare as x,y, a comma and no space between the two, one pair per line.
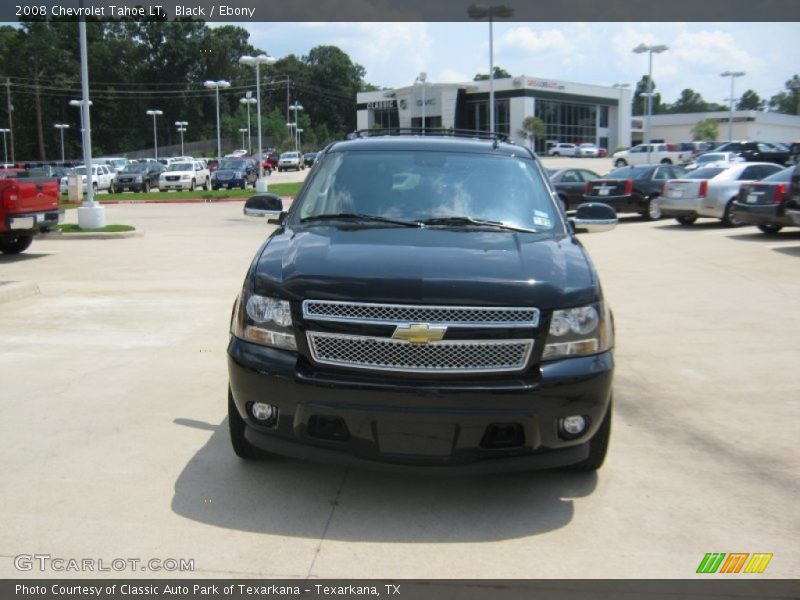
291,160
102,177
562,149
186,175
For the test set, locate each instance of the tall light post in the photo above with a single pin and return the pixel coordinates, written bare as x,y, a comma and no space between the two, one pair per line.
242,130
299,130
182,125
257,61
478,11
422,78
5,146
62,127
155,113
733,75
90,215
620,87
247,101
79,104
291,132
215,85
654,49
296,107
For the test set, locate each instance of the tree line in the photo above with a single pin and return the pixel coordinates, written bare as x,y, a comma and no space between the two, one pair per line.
135,66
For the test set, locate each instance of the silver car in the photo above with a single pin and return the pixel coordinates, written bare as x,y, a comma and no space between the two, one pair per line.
714,159
710,192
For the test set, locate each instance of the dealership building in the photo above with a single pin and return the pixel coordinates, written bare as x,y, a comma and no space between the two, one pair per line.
572,112
751,125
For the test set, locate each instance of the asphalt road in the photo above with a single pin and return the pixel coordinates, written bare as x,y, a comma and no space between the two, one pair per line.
114,444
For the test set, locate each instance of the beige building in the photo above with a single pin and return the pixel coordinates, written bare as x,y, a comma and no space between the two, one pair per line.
750,125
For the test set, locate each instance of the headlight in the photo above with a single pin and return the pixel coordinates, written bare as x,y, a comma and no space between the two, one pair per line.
578,332
263,320
238,175
186,177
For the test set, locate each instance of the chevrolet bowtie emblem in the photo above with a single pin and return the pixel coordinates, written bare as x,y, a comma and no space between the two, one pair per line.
419,333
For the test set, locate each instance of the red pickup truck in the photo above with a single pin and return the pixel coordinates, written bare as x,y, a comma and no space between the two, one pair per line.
28,205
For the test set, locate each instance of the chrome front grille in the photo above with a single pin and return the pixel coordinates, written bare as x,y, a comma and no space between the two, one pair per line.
386,354
400,314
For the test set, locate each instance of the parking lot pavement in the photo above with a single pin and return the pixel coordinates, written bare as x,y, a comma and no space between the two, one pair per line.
114,444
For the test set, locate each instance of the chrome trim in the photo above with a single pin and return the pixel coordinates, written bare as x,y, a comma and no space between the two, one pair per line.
534,322
528,346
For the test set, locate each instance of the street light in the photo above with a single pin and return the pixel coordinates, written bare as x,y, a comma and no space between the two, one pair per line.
5,146
243,130
181,125
215,85
257,61
422,78
62,127
655,49
155,113
478,11
296,107
299,131
79,104
733,75
247,101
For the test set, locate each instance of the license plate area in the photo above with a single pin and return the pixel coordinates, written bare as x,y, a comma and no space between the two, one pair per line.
416,438
22,223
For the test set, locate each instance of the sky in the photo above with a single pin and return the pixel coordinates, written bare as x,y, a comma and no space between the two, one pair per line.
595,53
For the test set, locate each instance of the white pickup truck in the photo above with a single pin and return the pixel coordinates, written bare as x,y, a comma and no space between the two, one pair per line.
659,154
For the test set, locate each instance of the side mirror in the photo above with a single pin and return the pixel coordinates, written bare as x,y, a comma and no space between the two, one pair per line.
594,217
265,205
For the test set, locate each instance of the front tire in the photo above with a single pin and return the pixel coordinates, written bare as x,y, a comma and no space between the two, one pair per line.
145,187
15,245
191,186
620,162
598,446
666,161
769,229
236,425
686,220
729,218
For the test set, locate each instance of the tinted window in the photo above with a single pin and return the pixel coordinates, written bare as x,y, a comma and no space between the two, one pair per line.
753,172
630,173
662,173
784,176
419,185
571,177
588,175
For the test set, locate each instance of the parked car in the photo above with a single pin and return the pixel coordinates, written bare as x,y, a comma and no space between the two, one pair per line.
602,152
710,192
714,159
659,153
563,149
588,151
102,177
187,175
138,177
291,160
234,172
794,152
633,188
570,185
764,203
309,158
115,163
757,152
44,172
29,206
393,325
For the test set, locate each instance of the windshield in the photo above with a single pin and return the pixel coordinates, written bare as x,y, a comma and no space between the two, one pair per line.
629,173
115,162
232,164
587,146
704,158
289,155
419,186
180,167
784,176
135,168
82,171
705,173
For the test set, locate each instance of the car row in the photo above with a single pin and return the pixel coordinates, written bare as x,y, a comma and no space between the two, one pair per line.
585,150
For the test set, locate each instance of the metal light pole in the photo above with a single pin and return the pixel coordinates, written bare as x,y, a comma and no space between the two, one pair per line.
90,214
733,75
79,104
182,125
298,131
215,85
478,11
155,113
292,133
422,78
657,49
247,101
5,146
257,61
242,130
62,127
296,107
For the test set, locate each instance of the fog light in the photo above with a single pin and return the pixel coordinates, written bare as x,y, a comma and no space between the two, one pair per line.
573,425
262,412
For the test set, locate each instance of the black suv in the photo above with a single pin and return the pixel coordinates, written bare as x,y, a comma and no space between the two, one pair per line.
424,303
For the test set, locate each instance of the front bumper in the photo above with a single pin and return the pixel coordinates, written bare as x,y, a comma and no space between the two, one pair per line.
230,182
174,185
399,424
32,222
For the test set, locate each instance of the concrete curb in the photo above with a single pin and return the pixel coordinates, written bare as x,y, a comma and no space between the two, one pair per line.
108,235
17,290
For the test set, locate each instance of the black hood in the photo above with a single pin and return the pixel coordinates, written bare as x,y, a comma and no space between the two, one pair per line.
425,266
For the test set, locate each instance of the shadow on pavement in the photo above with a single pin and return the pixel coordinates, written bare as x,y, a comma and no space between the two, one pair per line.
288,497
671,225
13,258
754,235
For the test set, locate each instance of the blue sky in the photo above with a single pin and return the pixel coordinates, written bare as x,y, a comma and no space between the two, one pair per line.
599,53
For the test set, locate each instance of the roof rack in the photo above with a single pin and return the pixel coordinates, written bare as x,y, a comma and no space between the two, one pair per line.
431,131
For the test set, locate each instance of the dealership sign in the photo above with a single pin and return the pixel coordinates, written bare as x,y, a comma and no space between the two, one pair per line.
544,85
381,104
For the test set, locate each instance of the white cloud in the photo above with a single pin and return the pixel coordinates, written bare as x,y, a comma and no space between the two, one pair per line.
527,40
451,76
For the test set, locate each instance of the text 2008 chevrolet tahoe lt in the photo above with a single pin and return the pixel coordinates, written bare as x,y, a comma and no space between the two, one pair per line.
424,304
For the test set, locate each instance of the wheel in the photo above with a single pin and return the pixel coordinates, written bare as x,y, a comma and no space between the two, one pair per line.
598,446
146,187
94,189
191,186
555,154
729,218
652,209
205,185
620,162
236,425
769,228
686,220
666,161
15,245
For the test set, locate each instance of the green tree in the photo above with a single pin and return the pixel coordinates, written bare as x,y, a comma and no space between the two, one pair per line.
750,100
639,106
533,129
499,73
705,130
788,100
689,101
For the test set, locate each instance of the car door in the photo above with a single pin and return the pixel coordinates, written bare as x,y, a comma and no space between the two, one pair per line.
571,187
660,175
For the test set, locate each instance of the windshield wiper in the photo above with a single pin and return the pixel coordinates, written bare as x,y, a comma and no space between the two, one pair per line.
473,221
359,217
